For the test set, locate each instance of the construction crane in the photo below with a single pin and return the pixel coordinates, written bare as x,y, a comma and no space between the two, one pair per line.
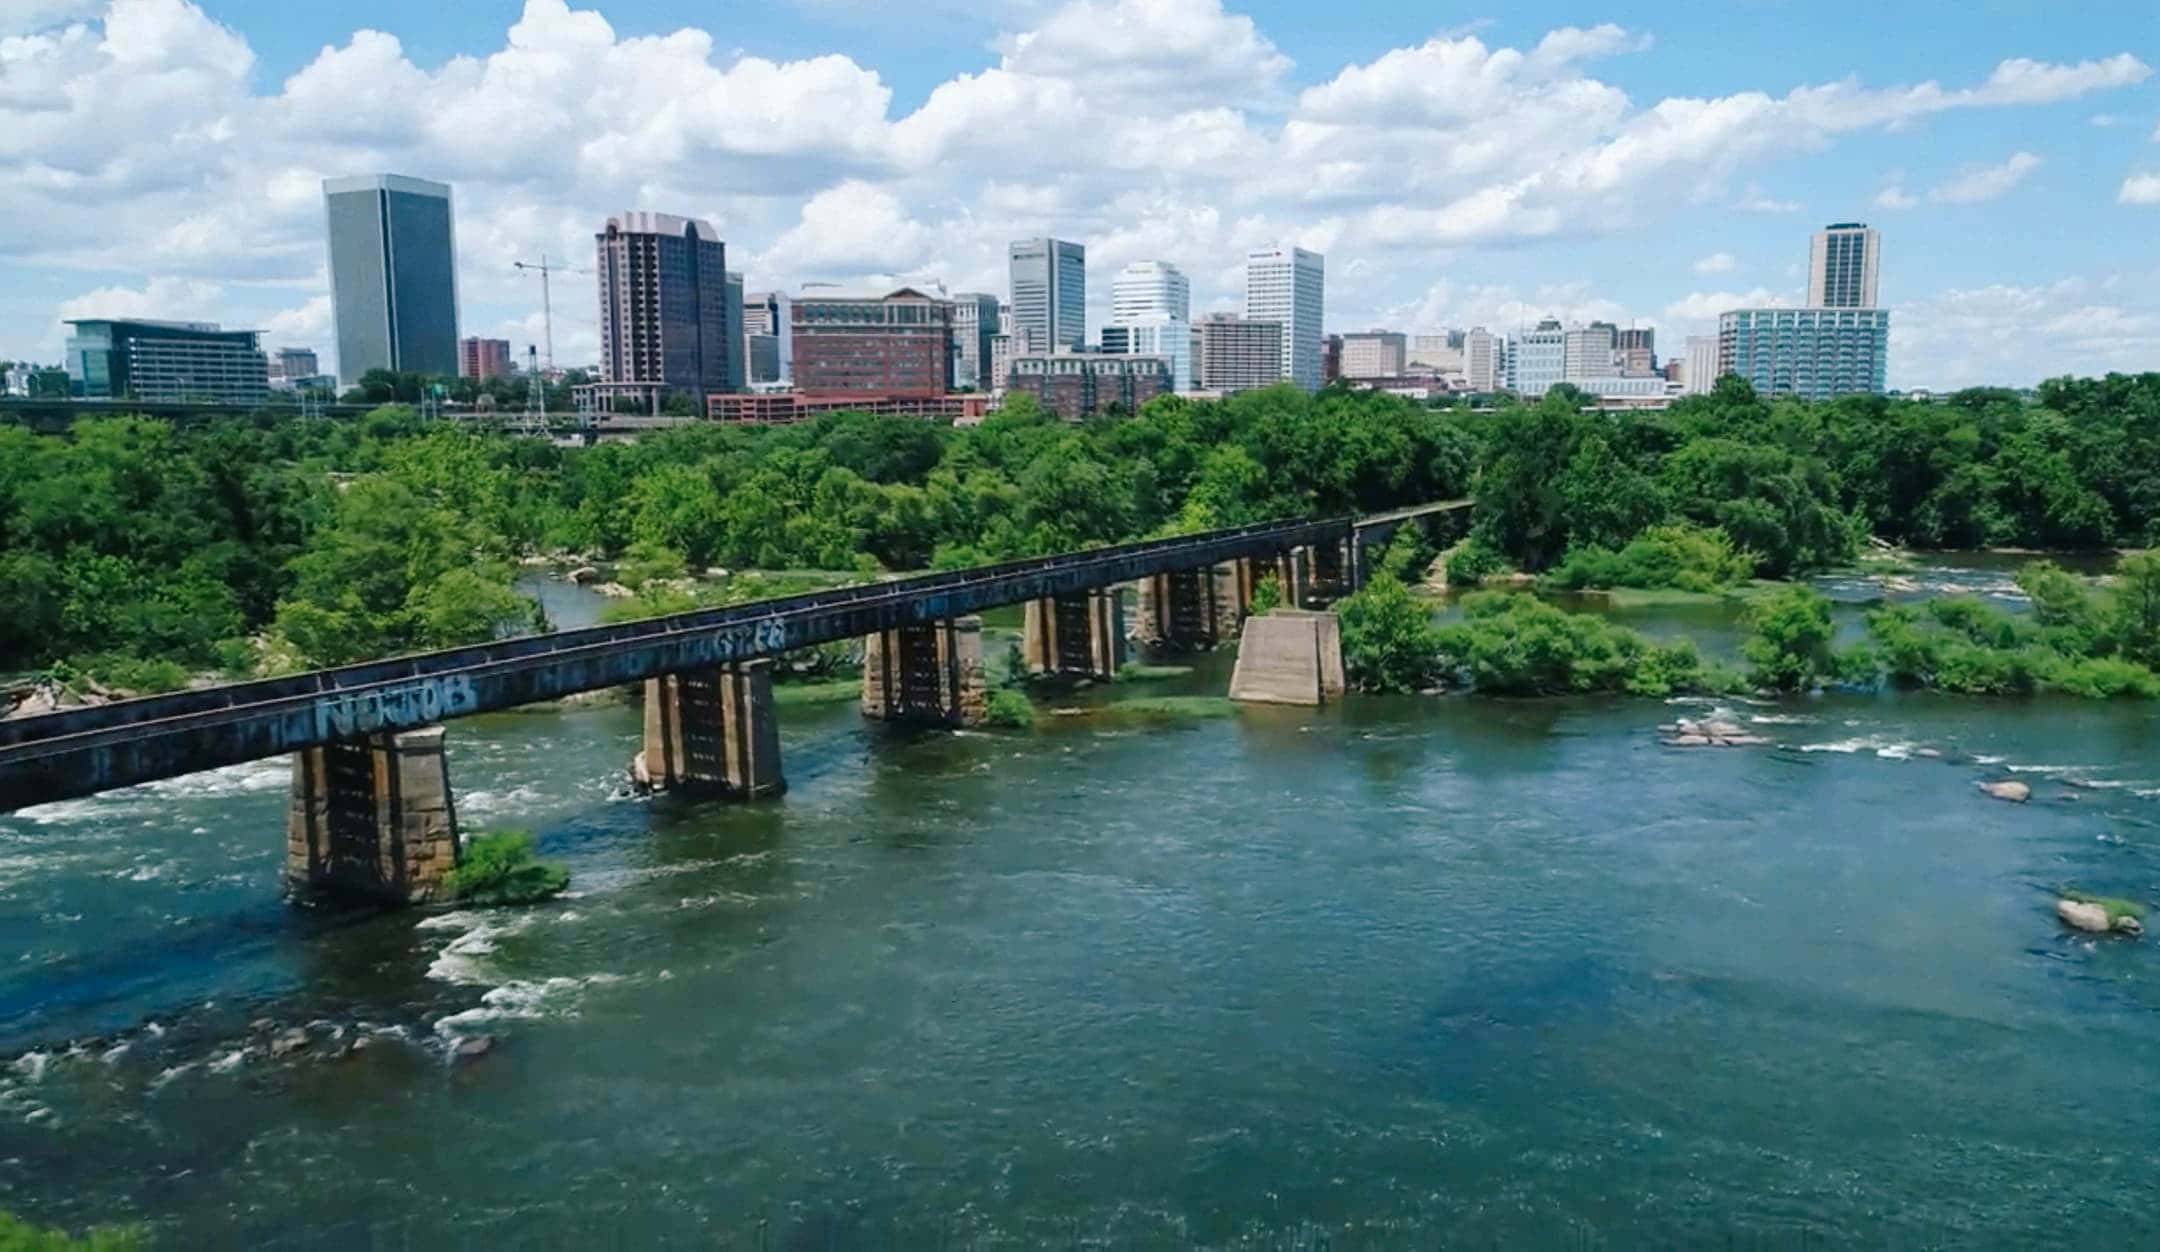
545,268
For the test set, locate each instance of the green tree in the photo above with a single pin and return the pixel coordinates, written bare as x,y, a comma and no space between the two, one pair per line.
1790,641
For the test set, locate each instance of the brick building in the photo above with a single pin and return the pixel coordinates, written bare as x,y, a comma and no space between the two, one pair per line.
898,344
1074,385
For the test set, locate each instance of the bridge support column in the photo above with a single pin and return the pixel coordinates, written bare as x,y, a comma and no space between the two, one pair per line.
931,673
1183,610
1082,635
372,818
714,731
1289,656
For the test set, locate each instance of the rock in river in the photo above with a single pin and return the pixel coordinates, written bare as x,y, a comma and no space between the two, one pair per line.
473,1049
2078,915
2009,789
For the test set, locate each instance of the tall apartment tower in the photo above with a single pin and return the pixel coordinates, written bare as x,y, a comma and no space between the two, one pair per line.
665,316
1699,376
1237,354
1590,351
1287,285
1049,293
1844,260
393,275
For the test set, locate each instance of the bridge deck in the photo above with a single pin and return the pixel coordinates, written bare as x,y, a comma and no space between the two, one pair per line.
83,751
1416,510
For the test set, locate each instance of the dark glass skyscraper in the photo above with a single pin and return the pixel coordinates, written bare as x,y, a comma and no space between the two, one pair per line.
666,320
1049,293
393,275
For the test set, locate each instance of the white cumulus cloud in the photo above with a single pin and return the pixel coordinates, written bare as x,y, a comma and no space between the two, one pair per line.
2140,189
1717,263
1983,183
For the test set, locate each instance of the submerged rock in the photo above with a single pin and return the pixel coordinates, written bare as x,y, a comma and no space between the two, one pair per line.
291,1041
473,1049
583,574
2008,789
2127,925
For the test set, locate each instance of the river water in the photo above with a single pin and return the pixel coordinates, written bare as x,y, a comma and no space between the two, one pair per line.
1403,972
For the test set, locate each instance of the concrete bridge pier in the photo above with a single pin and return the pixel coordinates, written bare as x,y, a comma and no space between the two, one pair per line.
1294,574
1290,656
372,818
1082,635
930,673
713,731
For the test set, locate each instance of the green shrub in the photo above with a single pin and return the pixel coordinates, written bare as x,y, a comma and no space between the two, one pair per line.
1389,642
1515,644
502,868
1475,561
649,560
1790,644
1679,556
1408,556
1009,708
146,676
1266,595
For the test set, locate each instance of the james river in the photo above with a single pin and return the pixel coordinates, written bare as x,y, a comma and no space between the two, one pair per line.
1407,972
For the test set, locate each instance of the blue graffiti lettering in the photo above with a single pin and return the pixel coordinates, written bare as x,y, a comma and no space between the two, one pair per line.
394,708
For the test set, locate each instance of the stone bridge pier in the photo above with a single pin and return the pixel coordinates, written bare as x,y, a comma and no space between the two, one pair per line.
1082,635
372,818
930,674
713,731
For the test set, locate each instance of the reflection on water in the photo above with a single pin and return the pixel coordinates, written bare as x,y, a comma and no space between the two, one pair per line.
1409,971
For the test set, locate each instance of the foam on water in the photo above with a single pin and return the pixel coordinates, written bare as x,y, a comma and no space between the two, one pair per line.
525,999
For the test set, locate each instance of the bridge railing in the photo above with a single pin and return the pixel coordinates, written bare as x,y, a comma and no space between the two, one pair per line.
180,710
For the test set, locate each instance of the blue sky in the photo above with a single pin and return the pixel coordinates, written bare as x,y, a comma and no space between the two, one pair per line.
1457,165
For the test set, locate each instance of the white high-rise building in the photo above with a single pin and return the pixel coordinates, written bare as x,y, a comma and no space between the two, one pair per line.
1151,315
1438,350
1287,285
1150,289
1701,371
1482,357
1844,261
1538,360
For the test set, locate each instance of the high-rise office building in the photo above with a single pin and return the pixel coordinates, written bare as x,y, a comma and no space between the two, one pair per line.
1844,261
393,275
1236,353
1590,351
1049,293
166,362
1482,360
1699,373
666,322
1817,354
1374,354
1150,289
975,323
896,344
1537,360
483,358
1287,286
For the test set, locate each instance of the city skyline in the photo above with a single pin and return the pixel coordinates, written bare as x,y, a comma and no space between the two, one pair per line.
1670,193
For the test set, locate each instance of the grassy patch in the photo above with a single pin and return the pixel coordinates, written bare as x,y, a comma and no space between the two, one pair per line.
1170,708
2116,906
17,1235
1134,671
834,692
